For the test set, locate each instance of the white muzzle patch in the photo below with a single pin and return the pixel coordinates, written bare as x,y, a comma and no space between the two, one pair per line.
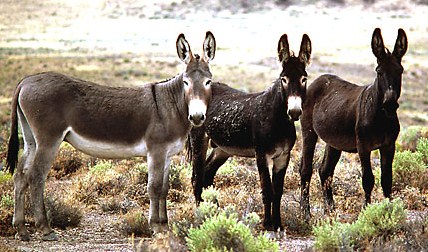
294,107
197,110
294,103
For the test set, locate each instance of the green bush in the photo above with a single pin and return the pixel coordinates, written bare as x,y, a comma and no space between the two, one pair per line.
409,137
6,201
332,235
101,167
5,177
383,219
408,167
210,194
422,147
224,232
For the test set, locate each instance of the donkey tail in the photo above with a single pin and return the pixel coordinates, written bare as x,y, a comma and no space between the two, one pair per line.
13,147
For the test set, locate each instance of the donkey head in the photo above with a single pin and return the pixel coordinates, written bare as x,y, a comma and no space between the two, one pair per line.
389,69
197,77
293,75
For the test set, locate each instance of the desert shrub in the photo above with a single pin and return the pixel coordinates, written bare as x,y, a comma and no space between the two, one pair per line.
101,181
332,235
61,214
409,169
114,206
135,223
5,177
209,207
6,201
6,204
409,137
422,147
413,198
382,220
231,173
67,161
225,232
6,216
295,221
413,237
101,167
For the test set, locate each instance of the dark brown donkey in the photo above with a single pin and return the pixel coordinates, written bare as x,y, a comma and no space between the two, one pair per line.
354,118
152,120
257,125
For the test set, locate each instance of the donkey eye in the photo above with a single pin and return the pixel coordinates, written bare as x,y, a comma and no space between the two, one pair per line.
208,83
186,83
284,81
304,80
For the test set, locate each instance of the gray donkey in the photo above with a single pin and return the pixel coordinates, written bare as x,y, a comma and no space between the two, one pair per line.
152,120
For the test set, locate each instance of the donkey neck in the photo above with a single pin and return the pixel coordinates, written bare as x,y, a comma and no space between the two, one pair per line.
275,97
371,100
169,99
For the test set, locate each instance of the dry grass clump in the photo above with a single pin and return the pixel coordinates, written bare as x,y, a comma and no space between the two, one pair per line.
6,204
294,220
135,223
67,161
102,180
414,199
62,214
6,248
162,242
6,216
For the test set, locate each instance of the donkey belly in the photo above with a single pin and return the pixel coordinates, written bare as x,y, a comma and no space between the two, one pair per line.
105,149
339,134
237,151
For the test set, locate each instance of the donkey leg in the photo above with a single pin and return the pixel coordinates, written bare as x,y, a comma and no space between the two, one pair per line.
37,175
163,216
368,178
387,156
267,192
20,179
309,142
216,159
331,157
20,187
156,164
279,169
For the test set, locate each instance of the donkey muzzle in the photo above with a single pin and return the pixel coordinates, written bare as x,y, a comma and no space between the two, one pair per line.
390,103
197,110
294,110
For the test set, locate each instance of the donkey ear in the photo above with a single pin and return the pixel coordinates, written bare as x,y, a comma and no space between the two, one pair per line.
378,48
305,50
209,47
400,47
283,48
183,49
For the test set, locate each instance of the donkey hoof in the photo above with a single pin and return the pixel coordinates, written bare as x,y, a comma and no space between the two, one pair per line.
275,235
22,237
52,236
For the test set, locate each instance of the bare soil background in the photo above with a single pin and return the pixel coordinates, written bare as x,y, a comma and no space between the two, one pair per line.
132,42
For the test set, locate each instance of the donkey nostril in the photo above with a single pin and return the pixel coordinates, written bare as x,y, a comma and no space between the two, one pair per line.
202,117
295,114
190,118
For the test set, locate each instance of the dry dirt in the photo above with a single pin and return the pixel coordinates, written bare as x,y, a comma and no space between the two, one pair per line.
134,42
